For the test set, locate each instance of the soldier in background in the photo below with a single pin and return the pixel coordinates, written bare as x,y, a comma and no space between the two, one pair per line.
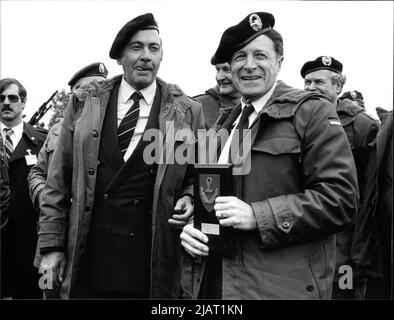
382,114
218,102
38,174
324,75
355,96
22,144
372,246
79,84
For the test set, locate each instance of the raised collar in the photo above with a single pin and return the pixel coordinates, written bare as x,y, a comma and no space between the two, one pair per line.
148,93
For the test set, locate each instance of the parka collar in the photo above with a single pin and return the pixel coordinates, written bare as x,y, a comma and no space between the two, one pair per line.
224,101
346,106
285,100
169,92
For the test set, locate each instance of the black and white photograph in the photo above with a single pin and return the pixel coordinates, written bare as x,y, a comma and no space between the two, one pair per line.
198,153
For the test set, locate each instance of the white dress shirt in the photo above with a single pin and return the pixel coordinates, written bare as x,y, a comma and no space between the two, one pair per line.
124,104
16,136
258,107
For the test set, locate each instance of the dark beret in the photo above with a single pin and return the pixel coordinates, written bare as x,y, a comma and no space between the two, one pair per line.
94,69
236,37
142,22
352,95
321,63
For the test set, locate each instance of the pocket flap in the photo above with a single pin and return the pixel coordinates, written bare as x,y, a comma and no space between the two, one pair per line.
278,145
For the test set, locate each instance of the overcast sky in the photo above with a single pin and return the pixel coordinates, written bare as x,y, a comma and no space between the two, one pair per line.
43,43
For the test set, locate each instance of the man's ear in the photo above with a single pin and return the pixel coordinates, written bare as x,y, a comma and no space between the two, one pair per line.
119,60
280,60
339,89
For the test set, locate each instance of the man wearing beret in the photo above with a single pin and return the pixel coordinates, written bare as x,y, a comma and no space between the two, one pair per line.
38,173
218,102
324,75
355,96
300,190
78,85
120,236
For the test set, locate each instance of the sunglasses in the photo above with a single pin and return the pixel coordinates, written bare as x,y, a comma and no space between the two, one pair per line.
13,98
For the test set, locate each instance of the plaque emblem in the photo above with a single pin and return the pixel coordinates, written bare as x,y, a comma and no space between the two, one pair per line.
326,61
209,190
255,22
101,68
353,94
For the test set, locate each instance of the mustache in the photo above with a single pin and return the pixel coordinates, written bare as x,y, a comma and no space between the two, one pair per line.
6,108
145,66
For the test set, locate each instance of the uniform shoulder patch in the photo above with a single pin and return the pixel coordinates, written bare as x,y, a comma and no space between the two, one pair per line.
334,121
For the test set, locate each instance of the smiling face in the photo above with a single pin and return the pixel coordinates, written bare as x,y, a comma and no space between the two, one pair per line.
255,68
11,112
225,81
141,58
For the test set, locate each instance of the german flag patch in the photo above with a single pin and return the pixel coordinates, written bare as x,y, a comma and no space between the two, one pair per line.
334,122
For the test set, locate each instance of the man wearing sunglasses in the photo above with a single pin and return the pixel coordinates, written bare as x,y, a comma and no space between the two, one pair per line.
22,143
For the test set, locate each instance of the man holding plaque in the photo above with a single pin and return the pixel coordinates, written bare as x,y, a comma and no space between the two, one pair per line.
297,185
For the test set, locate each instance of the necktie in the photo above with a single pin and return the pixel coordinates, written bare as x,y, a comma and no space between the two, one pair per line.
243,124
9,147
128,123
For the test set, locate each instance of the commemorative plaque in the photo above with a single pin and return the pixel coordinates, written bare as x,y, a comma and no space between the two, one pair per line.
211,181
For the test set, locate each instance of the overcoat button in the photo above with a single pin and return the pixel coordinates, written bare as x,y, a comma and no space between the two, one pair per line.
91,171
285,225
95,133
136,202
87,208
309,288
105,196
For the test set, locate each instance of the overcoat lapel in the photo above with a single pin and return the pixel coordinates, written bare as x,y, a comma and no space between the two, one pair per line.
28,141
110,146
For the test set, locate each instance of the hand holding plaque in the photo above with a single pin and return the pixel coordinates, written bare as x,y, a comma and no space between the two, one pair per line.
211,181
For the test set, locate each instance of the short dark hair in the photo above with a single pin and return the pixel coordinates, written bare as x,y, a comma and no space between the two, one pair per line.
277,39
6,82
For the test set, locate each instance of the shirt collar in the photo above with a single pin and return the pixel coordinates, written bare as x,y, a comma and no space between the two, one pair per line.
18,129
148,93
260,102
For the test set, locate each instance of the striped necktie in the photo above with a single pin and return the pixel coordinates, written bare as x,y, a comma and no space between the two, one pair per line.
128,123
9,146
243,124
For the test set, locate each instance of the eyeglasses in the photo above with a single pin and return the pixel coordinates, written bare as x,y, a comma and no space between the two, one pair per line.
13,98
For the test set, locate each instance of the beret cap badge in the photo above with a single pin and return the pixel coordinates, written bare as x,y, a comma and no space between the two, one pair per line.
353,94
326,60
321,63
255,22
101,68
